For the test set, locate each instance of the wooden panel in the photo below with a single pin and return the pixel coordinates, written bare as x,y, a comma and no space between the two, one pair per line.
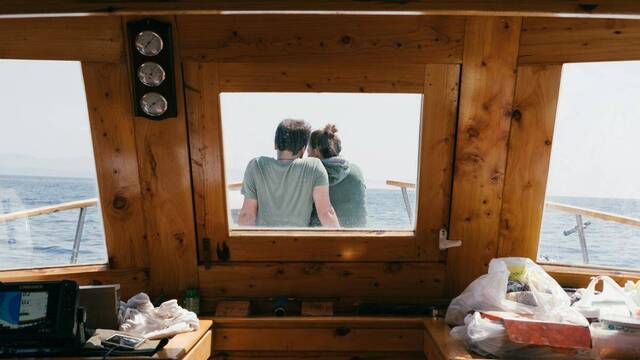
439,116
322,39
114,150
132,281
205,140
562,8
530,140
194,342
413,281
361,322
488,81
202,350
440,345
314,78
163,161
75,38
317,355
575,40
304,339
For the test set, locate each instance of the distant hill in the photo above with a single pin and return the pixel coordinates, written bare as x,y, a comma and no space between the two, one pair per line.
25,165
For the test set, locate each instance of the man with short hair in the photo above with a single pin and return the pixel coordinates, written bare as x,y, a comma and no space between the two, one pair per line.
281,192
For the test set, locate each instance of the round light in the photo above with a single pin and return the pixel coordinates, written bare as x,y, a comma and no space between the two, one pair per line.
151,74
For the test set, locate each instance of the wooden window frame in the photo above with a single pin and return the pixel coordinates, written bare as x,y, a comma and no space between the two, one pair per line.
204,81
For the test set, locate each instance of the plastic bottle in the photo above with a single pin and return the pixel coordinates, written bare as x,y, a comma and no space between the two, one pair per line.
192,300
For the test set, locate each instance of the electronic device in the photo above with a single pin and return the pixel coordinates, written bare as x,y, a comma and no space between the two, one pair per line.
40,318
122,342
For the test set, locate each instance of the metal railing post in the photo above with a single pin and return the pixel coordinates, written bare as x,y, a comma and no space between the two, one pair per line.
407,204
583,239
76,241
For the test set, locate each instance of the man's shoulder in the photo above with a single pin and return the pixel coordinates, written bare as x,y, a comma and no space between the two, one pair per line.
310,163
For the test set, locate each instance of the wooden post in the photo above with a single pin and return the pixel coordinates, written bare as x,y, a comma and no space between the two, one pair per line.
488,82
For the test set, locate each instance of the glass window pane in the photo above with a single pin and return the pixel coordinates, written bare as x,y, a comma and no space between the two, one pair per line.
378,144
46,160
595,168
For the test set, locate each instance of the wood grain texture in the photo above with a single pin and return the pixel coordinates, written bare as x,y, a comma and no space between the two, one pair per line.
530,139
202,350
163,163
440,345
207,159
256,77
414,281
488,82
303,339
132,281
74,38
193,343
114,150
322,39
546,8
580,276
559,41
439,117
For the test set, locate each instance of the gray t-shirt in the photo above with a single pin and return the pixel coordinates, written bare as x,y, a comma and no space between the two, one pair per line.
284,189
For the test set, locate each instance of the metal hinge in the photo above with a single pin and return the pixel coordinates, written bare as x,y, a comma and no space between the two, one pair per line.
206,253
445,243
223,251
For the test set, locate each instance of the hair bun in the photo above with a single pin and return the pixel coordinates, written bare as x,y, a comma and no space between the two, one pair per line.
330,129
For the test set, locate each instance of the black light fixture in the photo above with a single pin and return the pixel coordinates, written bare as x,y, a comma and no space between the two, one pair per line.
151,57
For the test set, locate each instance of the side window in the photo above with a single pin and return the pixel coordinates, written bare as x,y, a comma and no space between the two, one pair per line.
592,208
366,145
49,211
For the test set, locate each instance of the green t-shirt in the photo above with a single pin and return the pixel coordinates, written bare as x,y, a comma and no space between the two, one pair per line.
283,189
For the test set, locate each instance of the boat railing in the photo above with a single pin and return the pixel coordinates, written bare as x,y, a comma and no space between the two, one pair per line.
46,210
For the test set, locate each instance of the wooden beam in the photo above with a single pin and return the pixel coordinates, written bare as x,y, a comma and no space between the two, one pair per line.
360,78
354,322
132,280
309,280
46,210
580,276
546,8
114,149
530,141
163,162
557,41
207,159
74,38
488,82
439,117
322,39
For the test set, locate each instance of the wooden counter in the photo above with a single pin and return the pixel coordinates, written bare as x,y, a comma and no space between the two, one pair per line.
439,345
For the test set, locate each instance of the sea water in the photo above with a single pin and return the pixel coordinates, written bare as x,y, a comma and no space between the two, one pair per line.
47,240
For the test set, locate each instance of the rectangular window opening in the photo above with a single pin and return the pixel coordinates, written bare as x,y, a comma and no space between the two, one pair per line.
49,208
371,176
592,203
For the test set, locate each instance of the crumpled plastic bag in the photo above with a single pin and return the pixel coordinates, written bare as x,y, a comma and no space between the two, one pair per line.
548,301
488,337
139,316
612,300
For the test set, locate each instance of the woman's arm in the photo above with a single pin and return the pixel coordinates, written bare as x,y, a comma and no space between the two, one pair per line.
326,213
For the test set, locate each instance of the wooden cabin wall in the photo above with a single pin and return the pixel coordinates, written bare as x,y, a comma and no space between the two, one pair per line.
500,76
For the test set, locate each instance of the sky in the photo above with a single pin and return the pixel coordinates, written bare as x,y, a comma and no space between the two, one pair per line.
44,127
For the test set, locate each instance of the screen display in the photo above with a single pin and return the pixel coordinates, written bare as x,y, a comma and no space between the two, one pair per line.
122,341
20,309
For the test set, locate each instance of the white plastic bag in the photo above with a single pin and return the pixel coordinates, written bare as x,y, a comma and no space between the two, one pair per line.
489,292
613,300
138,316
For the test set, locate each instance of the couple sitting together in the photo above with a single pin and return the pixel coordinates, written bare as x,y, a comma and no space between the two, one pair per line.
293,191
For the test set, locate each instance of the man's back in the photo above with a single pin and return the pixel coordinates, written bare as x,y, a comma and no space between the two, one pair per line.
283,189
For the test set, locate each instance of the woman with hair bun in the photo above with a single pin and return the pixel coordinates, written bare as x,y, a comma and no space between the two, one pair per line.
347,190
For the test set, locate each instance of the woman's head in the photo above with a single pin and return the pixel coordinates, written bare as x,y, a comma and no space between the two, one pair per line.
325,143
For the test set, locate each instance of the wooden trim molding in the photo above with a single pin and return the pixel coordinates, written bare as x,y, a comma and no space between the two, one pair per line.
579,276
545,8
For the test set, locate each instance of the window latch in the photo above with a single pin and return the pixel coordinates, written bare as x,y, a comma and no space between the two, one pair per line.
445,243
